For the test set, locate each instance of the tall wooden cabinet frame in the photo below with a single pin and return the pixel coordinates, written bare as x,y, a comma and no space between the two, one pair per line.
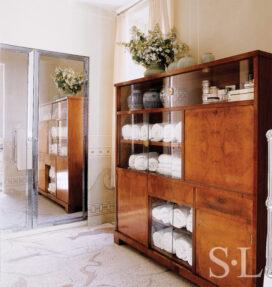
223,179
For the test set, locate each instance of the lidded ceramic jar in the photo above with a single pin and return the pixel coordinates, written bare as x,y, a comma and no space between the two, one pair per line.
207,57
151,99
135,100
186,61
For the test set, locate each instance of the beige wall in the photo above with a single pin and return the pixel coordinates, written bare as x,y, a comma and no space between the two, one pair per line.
70,26
224,27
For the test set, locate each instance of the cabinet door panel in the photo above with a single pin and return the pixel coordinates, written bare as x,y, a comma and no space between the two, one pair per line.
133,204
219,147
214,230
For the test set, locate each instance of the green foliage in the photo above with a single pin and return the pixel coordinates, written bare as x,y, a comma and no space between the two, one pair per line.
67,80
154,48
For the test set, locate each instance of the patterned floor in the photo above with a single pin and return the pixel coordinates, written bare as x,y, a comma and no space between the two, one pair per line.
79,257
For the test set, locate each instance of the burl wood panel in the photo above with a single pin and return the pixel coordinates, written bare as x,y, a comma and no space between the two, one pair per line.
133,205
219,147
170,189
214,230
236,204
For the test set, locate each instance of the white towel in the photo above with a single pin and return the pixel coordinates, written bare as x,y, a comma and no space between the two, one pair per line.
156,133
126,132
183,248
158,236
163,213
189,224
131,161
53,148
141,162
167,241
165,158
63,132
136,132
153,162
178,132
54,132
52,187
144,132
52,172
167,214
180,216
168,133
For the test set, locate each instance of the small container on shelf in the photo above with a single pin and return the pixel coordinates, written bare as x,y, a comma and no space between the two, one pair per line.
135,100
151,99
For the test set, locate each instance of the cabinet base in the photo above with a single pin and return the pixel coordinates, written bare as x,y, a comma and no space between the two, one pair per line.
120,239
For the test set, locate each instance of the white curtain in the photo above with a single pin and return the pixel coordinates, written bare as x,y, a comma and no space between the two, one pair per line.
144,15
161,12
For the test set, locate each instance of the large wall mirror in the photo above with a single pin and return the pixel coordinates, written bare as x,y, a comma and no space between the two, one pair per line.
43,138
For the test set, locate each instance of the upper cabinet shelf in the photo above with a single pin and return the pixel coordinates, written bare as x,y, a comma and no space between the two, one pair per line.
184,88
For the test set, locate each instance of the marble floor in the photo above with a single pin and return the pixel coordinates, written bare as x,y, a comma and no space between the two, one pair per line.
79,257
13,211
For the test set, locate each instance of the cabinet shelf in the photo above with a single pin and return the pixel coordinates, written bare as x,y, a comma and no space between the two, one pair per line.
183,230
172,256
165,144
189,107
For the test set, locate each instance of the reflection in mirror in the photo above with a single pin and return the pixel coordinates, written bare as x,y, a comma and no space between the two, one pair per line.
61,137
13,140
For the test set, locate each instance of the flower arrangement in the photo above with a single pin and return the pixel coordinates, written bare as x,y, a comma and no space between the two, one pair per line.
68,80
154,48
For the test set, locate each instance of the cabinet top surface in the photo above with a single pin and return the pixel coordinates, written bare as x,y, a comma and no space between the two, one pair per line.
198,67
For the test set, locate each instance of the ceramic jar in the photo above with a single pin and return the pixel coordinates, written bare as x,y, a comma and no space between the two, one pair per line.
153,69
207,57
135,100
172,66
151,99
186,61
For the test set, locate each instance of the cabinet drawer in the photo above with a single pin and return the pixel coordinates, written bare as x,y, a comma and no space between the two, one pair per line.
170,189
233,203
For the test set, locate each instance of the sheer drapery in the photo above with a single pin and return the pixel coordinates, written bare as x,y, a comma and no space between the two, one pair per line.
144,15
161,12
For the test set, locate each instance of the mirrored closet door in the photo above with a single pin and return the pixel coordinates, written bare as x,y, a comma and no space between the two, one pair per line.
43,138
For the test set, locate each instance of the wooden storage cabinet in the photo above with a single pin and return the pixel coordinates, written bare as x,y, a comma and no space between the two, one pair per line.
219,174
61,148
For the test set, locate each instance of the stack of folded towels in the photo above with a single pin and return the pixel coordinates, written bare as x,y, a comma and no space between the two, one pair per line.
136,132
170,165
164,164
179,216
174,242
156,132
144,161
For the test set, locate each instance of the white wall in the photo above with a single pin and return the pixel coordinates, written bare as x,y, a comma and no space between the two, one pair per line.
224,27
70,26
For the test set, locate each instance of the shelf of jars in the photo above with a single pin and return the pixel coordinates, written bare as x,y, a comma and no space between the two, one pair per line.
172,231
228,84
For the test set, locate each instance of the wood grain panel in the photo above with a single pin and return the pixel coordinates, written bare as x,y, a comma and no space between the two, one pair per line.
170,189
216,231
133,205
219,147
233,203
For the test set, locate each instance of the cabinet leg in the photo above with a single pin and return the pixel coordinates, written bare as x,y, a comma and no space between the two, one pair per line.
117,240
